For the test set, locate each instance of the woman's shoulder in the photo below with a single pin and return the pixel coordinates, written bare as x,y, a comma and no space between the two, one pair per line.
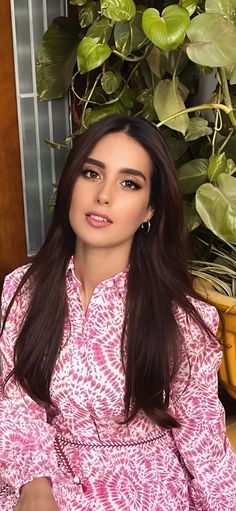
207,312
199,350
198,342
11,283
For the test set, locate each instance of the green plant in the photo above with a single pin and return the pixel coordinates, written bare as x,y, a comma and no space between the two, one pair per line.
217,266
123,56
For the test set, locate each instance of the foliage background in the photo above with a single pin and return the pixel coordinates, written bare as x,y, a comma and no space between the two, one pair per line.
147,59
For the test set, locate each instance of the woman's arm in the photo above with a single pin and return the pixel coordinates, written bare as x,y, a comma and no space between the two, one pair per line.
36,496
26,439
201,440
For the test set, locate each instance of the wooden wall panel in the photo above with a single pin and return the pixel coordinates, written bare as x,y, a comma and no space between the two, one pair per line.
12,226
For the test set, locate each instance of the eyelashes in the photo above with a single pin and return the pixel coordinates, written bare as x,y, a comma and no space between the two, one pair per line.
131,185
90,174
93,175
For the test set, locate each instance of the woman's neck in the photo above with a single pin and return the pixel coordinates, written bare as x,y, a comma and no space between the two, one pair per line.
92,266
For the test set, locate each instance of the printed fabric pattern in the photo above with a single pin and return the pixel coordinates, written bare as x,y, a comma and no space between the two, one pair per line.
94,462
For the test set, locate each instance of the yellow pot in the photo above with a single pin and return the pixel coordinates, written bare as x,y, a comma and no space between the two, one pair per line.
227,308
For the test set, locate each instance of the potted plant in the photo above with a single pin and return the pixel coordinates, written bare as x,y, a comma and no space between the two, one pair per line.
123,56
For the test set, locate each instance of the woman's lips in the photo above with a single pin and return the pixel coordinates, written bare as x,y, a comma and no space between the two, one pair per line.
98,220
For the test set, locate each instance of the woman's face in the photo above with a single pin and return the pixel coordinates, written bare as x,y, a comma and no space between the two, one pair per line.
110,199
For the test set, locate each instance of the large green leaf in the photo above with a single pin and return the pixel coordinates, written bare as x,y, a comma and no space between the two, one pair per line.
88,14
212,40
129,35
93,115
168,101
191,175
91,54
225,7
217,207
118,10
198,127
101,29
56,58
167,31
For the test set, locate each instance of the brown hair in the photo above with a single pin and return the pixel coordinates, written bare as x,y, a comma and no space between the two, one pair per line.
157,278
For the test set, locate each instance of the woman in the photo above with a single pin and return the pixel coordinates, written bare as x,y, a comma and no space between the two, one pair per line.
109,358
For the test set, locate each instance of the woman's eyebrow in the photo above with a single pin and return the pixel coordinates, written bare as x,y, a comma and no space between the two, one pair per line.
96,162
102,165
134,172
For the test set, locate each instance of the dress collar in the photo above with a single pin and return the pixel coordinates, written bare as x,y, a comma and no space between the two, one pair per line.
119,280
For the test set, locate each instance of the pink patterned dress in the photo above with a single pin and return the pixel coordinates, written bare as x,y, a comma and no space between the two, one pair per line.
94,463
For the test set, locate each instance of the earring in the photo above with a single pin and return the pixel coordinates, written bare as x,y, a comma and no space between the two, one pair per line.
146,226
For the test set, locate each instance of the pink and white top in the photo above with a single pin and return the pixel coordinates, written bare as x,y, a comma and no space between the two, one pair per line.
96,464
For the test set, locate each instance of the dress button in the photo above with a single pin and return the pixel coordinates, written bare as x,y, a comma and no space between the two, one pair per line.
77,480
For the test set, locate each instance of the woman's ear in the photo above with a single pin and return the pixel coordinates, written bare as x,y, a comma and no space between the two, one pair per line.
149,215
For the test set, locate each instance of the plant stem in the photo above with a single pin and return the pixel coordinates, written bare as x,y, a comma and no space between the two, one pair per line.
133,59
226,95
88,99
215,132
225,88
207,106
216,127
81,100
226,141
177,63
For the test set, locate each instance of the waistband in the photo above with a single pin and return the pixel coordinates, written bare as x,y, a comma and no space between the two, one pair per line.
60,442
78,443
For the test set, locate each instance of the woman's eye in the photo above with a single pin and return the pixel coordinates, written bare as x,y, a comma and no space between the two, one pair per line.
90,174
128,183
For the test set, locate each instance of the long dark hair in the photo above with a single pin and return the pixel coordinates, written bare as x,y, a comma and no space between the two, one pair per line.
157,278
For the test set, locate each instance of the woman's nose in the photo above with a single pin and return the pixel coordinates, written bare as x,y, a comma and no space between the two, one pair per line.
104,195
102,200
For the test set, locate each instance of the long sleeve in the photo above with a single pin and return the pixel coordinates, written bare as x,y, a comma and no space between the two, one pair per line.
26,439
201,440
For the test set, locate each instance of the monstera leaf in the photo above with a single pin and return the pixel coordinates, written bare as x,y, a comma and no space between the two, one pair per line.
167,31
